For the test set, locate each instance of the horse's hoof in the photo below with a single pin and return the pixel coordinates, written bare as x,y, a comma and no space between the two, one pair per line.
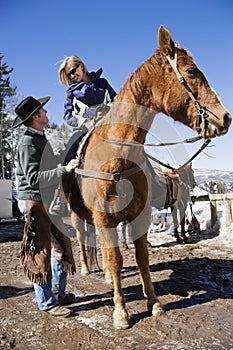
179,240
157,309
121,320
121,324
185,240
85,271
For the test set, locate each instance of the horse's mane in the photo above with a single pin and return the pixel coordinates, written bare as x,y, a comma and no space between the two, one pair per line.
135,87
135,84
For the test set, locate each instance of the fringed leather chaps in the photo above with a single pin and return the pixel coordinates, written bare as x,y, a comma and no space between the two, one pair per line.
37,243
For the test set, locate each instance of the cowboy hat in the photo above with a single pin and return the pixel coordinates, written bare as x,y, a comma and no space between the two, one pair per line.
27,108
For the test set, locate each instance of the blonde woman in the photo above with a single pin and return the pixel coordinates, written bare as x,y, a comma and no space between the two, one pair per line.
85,91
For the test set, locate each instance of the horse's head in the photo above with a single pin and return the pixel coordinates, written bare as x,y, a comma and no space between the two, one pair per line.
187,95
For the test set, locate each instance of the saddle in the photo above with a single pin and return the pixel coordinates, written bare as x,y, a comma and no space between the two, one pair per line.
165,187
172,183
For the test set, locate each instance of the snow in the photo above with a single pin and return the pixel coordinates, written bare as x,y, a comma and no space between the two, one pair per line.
217,238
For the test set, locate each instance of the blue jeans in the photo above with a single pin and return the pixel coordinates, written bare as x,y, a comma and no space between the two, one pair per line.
45,293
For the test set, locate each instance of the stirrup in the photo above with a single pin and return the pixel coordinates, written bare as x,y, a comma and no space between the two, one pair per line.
59,206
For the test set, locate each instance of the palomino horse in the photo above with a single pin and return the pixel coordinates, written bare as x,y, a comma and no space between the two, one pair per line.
114,181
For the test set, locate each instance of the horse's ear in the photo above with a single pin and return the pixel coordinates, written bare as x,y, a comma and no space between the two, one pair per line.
166,44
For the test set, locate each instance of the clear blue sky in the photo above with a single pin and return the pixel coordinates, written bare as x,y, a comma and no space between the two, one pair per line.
117,36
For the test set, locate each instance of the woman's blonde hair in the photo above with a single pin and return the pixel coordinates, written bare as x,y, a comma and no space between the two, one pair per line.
73,61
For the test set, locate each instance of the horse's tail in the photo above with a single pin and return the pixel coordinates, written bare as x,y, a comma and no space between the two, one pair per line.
91,244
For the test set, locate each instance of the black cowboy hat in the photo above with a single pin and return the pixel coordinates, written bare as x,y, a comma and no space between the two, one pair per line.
27,108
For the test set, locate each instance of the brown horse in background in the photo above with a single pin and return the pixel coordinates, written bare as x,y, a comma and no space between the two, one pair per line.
114,182
185,185
171,188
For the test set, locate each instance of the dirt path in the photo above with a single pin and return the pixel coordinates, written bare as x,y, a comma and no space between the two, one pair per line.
194,283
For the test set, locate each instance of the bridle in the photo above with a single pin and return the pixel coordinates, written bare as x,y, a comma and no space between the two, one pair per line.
201,111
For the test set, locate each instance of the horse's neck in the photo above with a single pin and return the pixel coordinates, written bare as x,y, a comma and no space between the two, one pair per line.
136,104
127,122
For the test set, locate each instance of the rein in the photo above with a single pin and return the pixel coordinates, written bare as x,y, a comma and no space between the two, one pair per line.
117,176
189,140
136,144
205,144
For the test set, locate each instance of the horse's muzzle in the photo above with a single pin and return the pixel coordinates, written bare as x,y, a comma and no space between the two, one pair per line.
227,119
211,130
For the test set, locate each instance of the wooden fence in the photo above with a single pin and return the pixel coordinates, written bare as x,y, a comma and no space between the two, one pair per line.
213,199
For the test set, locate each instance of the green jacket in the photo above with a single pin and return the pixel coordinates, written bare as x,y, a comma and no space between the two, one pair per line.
37,171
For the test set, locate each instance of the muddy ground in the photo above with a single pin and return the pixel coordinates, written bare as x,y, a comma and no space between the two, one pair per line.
194,282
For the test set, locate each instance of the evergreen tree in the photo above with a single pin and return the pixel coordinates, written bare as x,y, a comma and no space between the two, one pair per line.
212,187
6,93
221,187
54,126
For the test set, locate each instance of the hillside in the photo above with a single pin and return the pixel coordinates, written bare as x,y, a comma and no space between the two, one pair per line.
207,175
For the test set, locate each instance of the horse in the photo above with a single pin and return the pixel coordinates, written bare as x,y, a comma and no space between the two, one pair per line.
185,185
113,181
171,190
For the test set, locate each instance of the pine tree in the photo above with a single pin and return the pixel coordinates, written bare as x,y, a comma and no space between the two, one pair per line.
53,126
6,93
221,187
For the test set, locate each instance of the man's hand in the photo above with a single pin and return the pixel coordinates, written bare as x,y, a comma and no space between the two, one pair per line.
73,163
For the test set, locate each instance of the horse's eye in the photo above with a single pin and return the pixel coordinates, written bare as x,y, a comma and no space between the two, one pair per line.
191,71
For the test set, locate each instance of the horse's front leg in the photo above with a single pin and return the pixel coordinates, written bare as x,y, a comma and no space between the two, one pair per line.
141,251
78,224
106,270
114,262
120,314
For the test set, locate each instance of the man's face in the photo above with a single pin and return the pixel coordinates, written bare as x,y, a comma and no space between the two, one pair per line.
42,118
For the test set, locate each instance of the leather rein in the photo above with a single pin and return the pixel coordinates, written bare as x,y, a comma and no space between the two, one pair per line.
117,176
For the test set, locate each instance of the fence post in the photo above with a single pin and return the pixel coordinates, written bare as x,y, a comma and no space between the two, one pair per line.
213,211
228,212
213,198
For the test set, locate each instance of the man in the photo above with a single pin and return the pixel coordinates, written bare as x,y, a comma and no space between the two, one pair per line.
46,253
